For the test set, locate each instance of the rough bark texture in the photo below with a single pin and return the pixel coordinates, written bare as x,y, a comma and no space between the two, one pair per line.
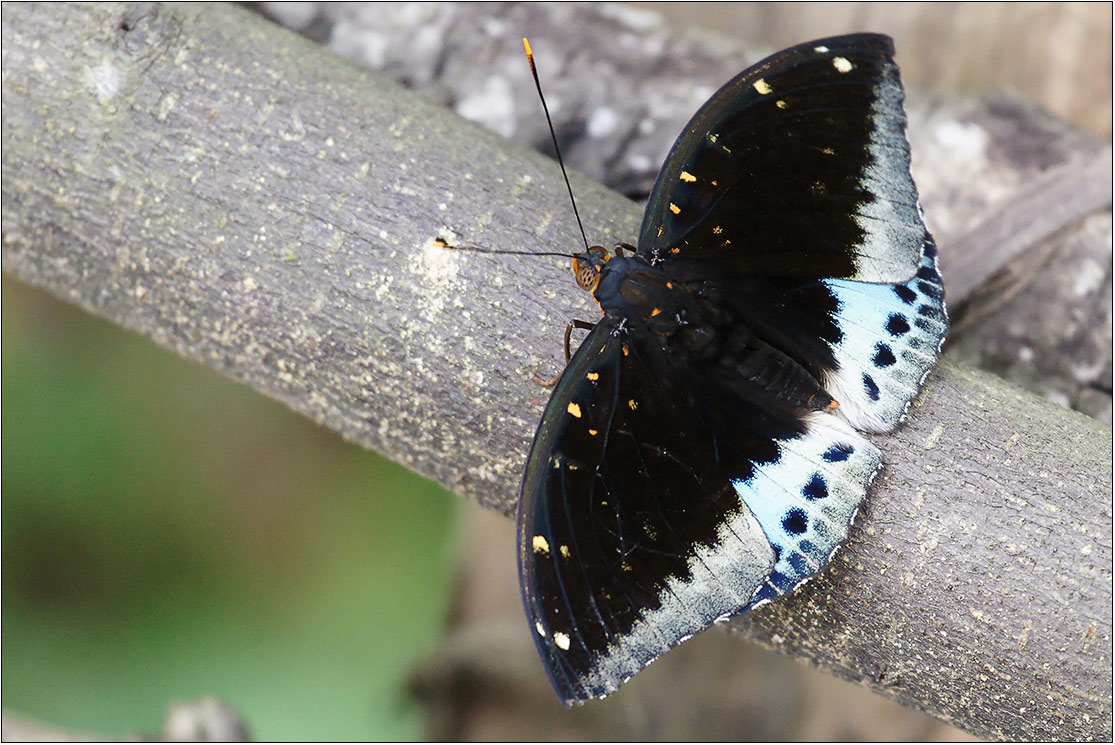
237,195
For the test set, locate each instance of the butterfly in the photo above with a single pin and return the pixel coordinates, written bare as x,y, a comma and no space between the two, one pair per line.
699,455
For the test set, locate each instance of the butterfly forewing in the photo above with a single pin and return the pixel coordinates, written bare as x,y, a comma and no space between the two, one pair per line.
631,535
797,167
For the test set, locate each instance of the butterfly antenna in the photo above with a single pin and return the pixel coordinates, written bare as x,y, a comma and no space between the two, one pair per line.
546,109
442,243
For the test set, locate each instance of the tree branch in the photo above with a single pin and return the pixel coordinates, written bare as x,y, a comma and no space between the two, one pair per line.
273,217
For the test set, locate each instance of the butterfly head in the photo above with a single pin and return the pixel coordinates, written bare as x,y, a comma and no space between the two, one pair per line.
587,266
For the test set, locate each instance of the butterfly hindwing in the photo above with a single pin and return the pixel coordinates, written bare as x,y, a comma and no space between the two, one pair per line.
807,500
890,337
632,537
799,166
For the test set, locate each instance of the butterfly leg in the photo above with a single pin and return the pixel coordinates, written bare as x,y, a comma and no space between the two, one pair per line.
584,325
619,248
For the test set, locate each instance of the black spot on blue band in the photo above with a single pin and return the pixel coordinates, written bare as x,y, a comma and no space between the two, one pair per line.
838,453
871,387
905,294
803,570
897,324
795,521
929,290
811,550
884,357
816,488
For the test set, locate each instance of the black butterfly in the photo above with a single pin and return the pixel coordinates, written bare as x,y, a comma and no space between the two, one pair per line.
698,456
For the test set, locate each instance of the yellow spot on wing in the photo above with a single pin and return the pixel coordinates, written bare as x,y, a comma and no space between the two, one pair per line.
675,250
841,64
538,627
632,403
829,151
717,230
654,312
574,409
761,86
593,376
780,104
562,640
687,176
675,209
714,183
540,545
564,551
626,351
593,432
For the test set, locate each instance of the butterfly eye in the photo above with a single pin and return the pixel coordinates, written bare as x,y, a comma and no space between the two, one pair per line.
586,273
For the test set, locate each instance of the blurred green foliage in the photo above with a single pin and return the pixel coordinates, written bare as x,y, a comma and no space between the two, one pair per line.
167,533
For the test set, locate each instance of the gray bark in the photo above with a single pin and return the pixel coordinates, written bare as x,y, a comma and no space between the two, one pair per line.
235,194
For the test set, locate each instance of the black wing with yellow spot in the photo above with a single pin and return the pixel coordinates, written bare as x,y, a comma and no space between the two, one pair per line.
632,536
798,167
696,458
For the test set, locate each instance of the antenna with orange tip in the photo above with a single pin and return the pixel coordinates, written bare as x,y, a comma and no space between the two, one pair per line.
549,122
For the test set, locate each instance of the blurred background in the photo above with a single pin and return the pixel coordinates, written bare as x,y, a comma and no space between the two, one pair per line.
168,534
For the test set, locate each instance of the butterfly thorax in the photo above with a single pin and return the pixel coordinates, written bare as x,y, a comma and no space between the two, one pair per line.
630,288
695,326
